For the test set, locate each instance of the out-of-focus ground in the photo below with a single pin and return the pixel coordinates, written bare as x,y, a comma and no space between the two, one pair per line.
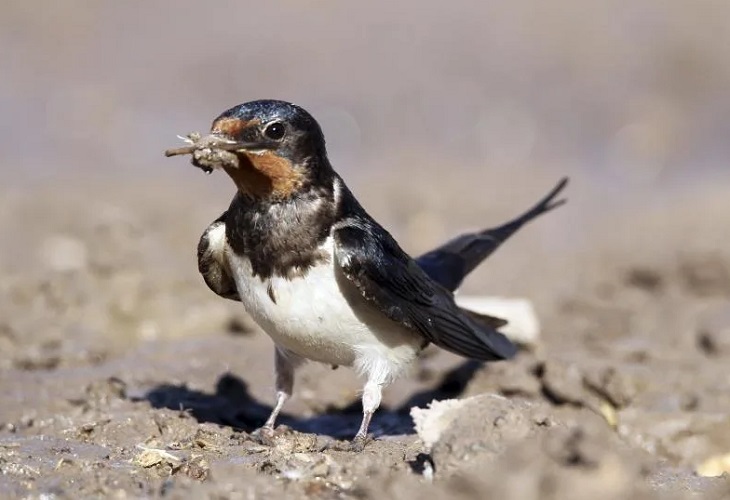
121,375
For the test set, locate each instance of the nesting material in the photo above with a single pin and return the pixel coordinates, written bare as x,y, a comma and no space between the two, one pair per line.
209,152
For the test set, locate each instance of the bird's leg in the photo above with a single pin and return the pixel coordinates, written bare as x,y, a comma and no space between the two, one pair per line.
285,363
371,396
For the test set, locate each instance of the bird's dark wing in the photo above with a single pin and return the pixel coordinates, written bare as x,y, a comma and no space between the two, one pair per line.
212,262
486,319
390,280
450,263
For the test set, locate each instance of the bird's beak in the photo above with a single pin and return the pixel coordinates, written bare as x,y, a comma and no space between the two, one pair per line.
212,141
222,142
239,135
216,150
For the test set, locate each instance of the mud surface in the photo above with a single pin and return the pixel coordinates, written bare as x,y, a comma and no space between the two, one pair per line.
121,375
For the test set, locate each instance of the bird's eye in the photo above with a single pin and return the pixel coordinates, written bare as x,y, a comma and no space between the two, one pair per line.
275,131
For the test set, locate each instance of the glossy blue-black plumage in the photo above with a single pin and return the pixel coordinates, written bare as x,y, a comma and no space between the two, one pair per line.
415,294
304,140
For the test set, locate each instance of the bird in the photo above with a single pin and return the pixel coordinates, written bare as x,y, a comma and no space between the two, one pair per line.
321,276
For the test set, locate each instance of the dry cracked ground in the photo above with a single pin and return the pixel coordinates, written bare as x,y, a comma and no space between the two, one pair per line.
122,376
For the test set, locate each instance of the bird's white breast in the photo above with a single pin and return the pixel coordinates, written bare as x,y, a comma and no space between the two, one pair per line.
321,316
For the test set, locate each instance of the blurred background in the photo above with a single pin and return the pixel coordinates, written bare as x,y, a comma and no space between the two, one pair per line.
629,98
441,116
629,92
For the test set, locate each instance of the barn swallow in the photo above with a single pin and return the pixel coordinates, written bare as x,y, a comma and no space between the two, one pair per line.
318,274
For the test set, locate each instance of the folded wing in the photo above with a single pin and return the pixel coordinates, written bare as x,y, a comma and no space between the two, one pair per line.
390,280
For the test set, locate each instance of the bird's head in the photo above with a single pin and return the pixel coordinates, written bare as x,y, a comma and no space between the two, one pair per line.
280,148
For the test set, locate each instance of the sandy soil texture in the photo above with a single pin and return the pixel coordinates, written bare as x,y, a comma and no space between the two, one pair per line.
122,376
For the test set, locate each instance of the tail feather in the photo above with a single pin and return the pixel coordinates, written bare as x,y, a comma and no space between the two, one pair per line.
450,263
485,319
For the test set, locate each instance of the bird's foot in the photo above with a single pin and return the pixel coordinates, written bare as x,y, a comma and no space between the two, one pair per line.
357,445
268,434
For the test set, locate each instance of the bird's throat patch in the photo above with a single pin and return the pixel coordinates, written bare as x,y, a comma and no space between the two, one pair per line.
266,175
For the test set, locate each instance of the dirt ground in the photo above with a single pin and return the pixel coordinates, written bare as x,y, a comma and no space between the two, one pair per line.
122,376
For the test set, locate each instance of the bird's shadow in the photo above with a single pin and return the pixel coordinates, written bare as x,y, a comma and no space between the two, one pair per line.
233,405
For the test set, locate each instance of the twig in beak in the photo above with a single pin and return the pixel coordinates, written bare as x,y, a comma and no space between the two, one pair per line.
208,142
185,150
209,152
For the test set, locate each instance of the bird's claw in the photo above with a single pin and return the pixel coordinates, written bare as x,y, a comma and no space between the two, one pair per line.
266,435
357,445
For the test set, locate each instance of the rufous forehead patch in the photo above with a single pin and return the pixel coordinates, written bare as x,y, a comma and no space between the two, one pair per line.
231,127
